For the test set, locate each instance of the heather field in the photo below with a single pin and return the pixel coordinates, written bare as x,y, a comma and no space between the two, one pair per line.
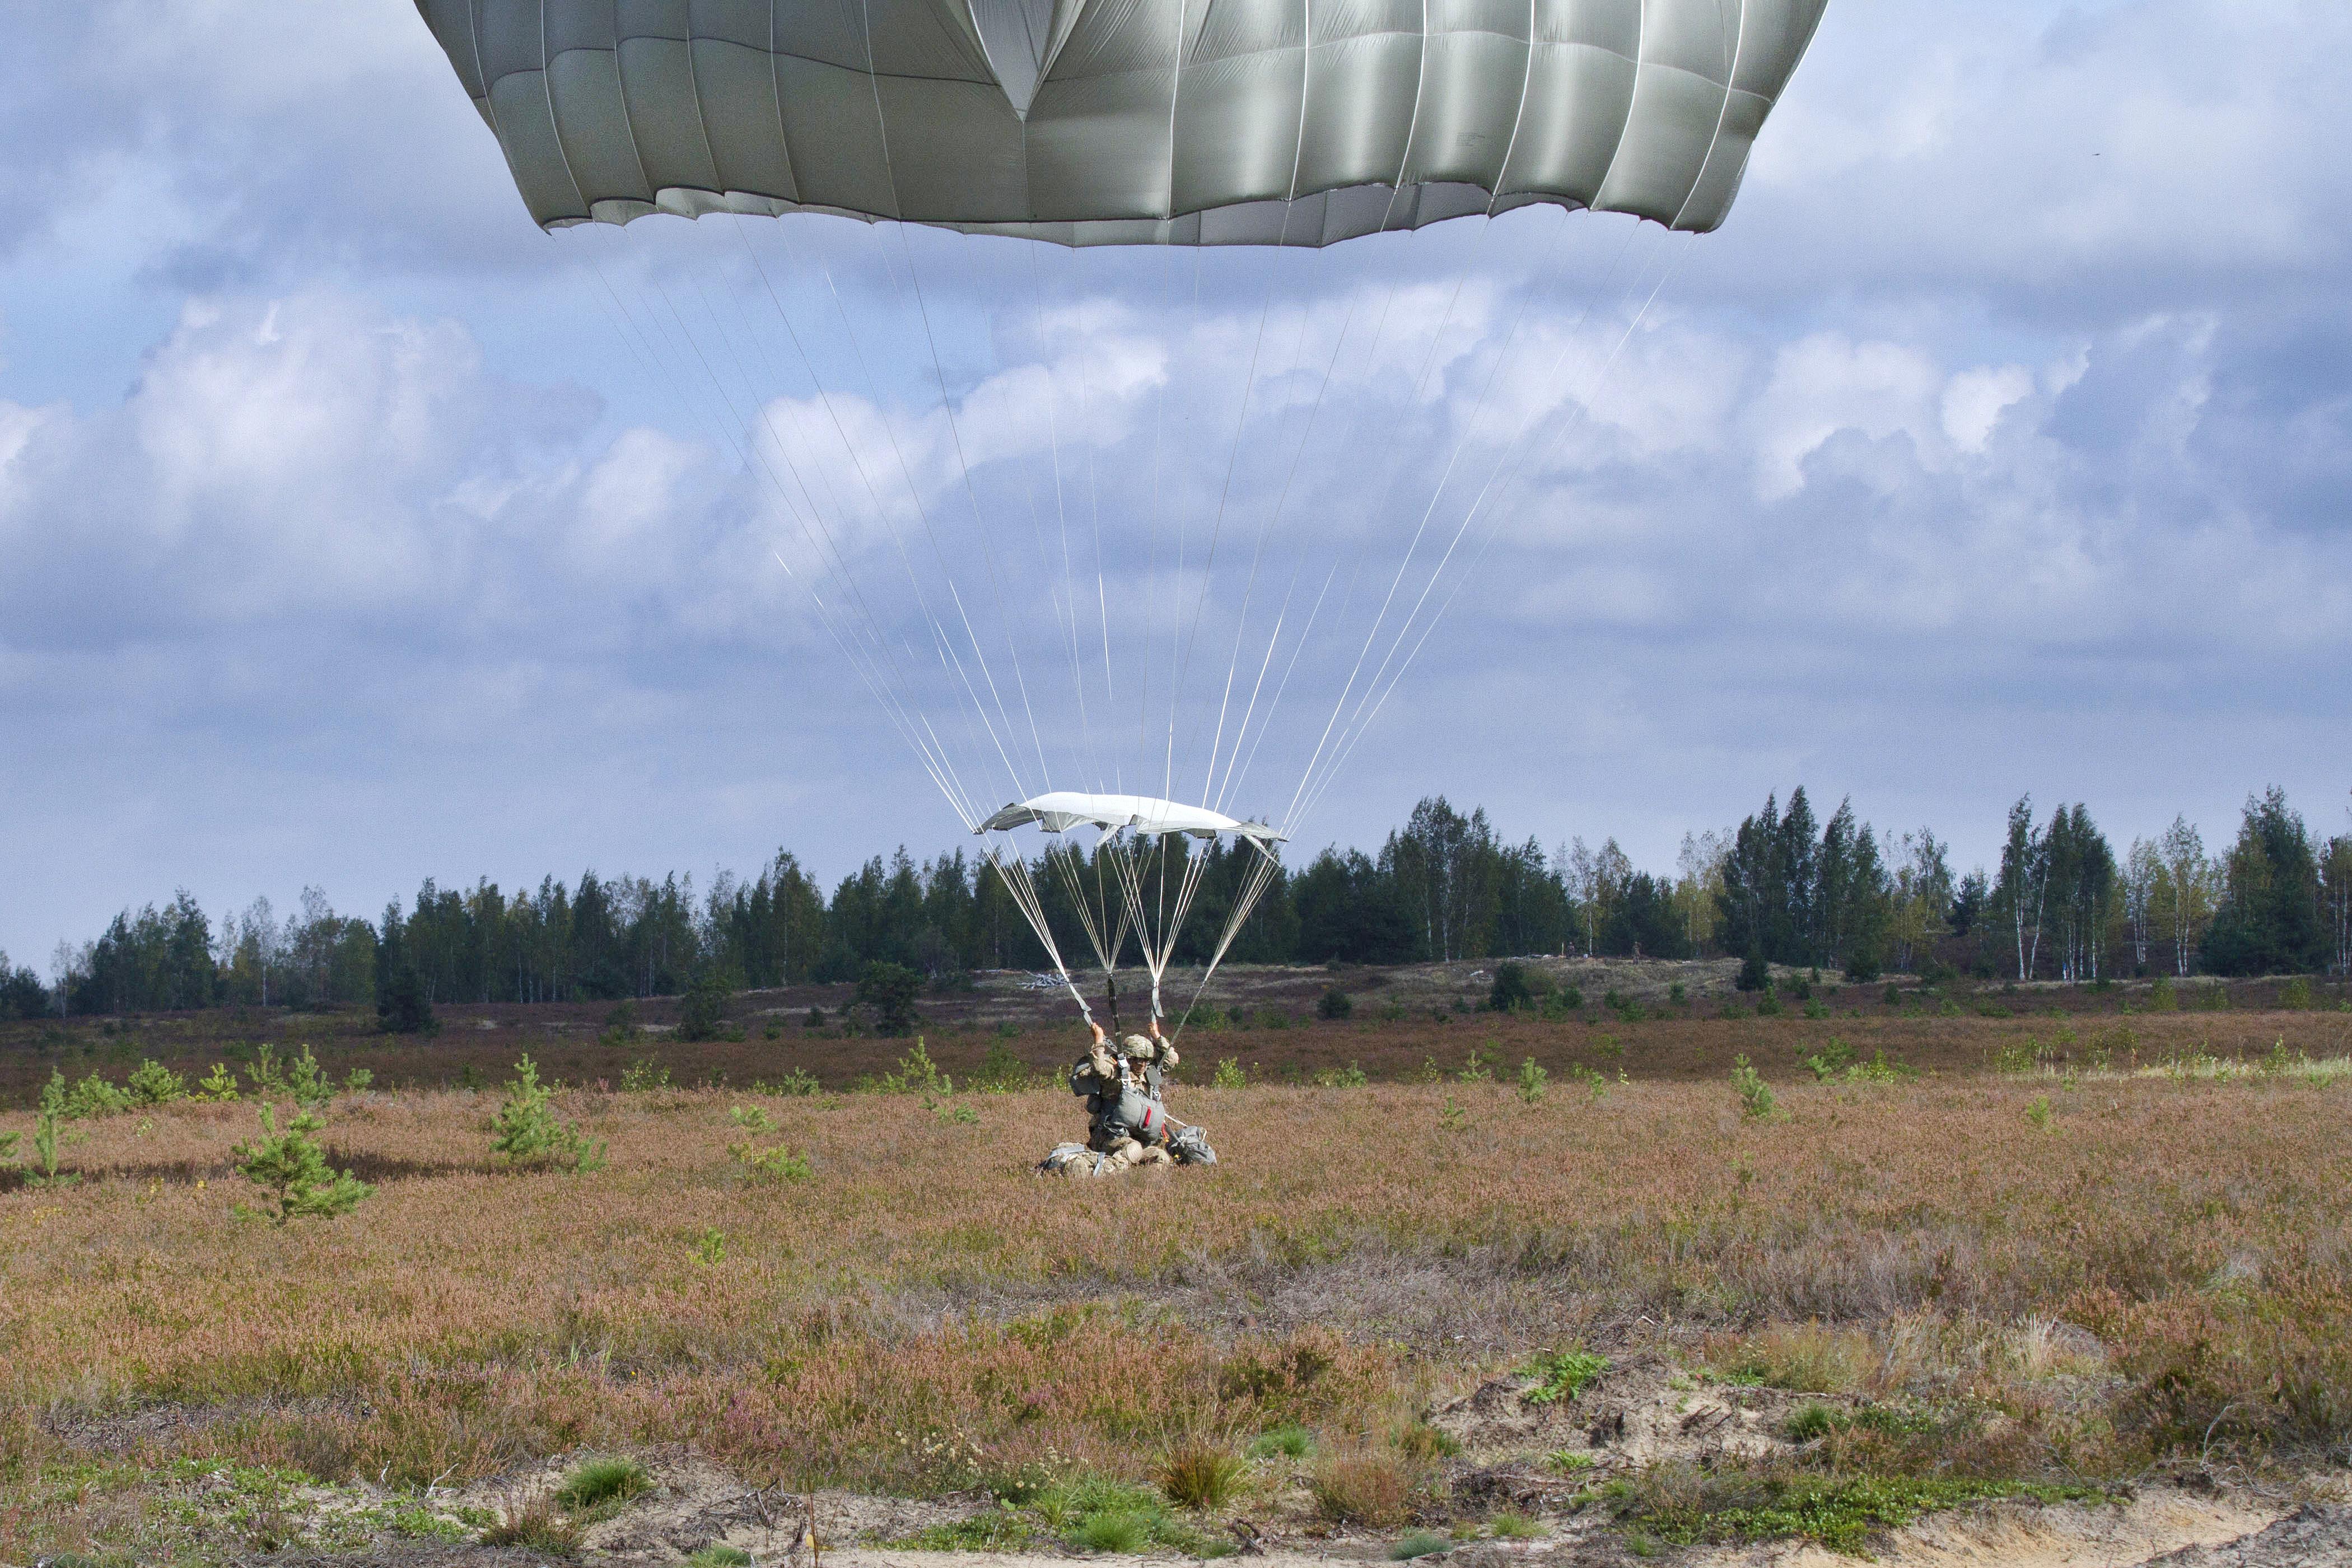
1966,1255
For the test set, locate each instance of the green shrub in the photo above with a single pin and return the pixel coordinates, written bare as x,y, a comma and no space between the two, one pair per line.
2161,997
1561,1375
1755,974
1678,993
152,1083
293,1171
402,1006
1532,1078
798,1083
2295,994
916,1074
889,990
1334,1005
1349,1076
703,1014
1756,1100
1509,1525
594,1483
777,1162
1832,1057
1768,1004
1001,1068
218,1086
1286,1442
620,1024
1515,986
1229,1075
527,1132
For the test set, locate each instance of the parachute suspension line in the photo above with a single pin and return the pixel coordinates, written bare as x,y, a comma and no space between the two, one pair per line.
933,758
1014,874
830,552
1254,886
1160,947
946,408
915,495
1069,602
1469,427
1673,261
972,494
1225,491
1176,623
874,497
1380,331
1094,509
1282,499
837,565
1210,785
1421,387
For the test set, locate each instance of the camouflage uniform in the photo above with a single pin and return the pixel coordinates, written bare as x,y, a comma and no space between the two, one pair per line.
1111,1080
1127,1123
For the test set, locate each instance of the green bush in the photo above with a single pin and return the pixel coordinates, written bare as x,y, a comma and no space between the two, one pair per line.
402,1006
1283,1442
293,1170
1349,1076
1756,1101
594,1483
1532,1078
1229,1075
1515,986
1333,1006
703,1014
152,1083
527,1132
889,990
1561,1375
1420,1544
1755,974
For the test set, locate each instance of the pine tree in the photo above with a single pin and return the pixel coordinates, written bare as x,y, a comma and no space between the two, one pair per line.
293,1170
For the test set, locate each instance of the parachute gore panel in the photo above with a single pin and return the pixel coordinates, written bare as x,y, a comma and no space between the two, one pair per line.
1126,122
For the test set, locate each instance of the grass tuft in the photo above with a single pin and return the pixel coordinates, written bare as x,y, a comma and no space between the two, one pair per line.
1197,1474
1283,1442
1366,1487
536,1527
596,1482
1420,1544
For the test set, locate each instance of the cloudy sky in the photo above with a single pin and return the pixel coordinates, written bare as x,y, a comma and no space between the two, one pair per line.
352,530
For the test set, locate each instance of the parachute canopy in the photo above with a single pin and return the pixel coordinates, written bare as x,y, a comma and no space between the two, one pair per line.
1065,809
1126,122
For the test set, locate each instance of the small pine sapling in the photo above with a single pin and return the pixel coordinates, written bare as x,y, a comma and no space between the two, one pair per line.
1756,1100
154,1084
1532,1081
530,1134
218,1086
1229,1075
292,1168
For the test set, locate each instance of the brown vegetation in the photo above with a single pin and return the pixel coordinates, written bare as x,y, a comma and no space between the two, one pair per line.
2079,1270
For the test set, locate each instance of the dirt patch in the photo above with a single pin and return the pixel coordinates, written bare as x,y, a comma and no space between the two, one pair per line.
694,1503
2161,1525
1640,1412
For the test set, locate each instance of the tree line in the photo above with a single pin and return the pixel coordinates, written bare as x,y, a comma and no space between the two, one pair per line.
1783,886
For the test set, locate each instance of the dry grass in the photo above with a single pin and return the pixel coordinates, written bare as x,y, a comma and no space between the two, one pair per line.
1368,1487
924,1315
